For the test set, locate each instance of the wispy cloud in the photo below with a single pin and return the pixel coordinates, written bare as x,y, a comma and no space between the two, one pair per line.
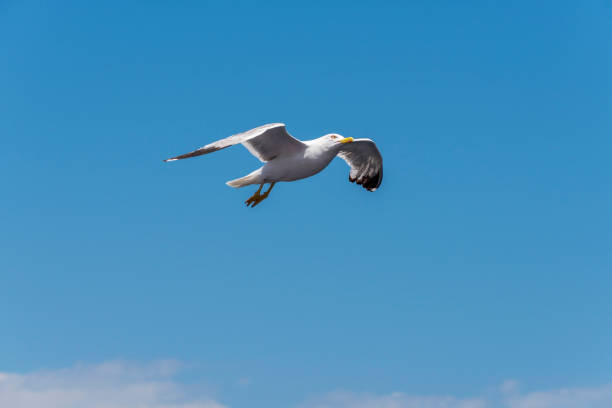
119,384
588,397
393,400
508,396
109,385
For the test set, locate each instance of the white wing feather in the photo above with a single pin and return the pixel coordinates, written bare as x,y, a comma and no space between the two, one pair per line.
264,142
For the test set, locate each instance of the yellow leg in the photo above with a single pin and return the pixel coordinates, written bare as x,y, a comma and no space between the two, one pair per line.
269,189
254,197
257,197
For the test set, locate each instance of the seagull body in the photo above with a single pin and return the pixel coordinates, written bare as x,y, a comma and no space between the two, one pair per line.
289,159
313,157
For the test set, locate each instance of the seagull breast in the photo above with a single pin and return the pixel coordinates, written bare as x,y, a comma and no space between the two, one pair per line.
304,164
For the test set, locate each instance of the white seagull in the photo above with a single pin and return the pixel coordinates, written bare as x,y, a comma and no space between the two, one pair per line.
289,159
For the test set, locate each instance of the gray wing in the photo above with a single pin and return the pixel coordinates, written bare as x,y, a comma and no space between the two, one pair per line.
365,161
264,142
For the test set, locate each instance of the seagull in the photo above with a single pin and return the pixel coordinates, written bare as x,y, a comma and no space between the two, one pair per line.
288,159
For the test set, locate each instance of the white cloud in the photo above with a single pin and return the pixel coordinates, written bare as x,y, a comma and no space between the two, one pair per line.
109,385
393,400
591,397
507,397
118,384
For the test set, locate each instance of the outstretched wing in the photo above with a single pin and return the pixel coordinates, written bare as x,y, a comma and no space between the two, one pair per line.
365,161
264,142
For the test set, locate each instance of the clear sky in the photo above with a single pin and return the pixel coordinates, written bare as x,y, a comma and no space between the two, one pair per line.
480,271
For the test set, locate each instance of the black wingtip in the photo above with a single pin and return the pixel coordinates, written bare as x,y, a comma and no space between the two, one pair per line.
369,183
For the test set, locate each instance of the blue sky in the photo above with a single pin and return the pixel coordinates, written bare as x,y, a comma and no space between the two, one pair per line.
480,268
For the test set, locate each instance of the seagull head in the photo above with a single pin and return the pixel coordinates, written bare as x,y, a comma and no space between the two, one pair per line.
334,139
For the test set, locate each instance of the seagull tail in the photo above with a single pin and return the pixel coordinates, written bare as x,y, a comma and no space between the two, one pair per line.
253,178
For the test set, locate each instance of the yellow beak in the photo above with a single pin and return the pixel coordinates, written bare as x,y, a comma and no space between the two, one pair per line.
347,140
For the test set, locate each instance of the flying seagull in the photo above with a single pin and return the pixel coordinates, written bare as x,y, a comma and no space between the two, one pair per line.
289,159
